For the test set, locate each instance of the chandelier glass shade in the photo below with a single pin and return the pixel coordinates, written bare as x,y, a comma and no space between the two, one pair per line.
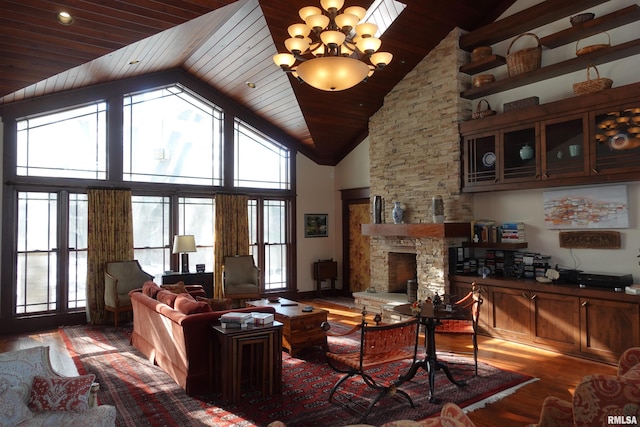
332,51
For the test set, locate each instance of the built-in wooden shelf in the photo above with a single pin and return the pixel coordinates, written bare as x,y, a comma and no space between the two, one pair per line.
523,21
500,245
585,29
483,64
444,230
597,57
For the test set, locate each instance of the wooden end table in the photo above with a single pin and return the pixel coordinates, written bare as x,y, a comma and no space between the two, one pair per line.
300,329
260,344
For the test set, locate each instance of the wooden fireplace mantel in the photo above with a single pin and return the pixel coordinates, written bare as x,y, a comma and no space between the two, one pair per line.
444,230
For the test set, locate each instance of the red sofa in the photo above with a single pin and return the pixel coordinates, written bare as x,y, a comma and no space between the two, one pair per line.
175,341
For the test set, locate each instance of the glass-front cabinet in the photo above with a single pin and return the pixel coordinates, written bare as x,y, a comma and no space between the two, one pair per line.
616,139
520,154
481,159
565,152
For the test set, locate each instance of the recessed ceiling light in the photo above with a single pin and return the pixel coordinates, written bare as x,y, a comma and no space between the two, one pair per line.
252,85
65,18
134,61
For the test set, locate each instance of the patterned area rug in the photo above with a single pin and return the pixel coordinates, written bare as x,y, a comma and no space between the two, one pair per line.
145,396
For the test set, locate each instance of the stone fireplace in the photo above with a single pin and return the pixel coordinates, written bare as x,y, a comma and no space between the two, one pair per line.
414,155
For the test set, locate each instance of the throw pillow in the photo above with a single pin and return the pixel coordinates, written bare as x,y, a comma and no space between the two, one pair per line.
187,304
61,393
178,288
217,304
151,289
13,410
167,297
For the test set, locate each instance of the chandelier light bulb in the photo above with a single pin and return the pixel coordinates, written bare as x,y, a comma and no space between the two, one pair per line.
308,11
297,45
366,29
358,11
346,21
317,22
332,39
368,45
381,59
331,4
284,60
299,30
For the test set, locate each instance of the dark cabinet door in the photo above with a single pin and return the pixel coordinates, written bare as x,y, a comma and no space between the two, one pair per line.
481,160
520,154
509,313
616,141
555,320
608,328
565,147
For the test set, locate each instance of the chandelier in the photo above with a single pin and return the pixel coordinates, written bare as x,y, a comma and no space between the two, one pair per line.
331,47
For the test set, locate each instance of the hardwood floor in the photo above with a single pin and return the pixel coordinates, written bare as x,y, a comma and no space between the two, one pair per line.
558,374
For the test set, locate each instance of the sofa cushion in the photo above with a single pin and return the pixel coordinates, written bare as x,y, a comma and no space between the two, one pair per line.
187,304
13,410
217,304
151,289
166,297
61,393
177,288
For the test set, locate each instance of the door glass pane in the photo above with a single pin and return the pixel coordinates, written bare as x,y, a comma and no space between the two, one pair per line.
196,217
36,255
275,244
519,154
77,290
151,233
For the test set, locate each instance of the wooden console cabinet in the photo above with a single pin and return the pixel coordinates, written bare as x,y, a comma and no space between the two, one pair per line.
594,323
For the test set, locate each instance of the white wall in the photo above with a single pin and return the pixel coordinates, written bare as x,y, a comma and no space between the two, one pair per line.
319,192
316,195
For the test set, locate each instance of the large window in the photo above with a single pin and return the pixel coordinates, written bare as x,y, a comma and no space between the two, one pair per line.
69,144
171,136
259,161
170,154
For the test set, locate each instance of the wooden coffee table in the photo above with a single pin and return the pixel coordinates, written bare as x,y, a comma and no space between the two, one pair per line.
300,329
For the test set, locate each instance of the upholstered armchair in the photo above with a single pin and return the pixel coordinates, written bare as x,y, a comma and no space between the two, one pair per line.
241,278
597,397
120,278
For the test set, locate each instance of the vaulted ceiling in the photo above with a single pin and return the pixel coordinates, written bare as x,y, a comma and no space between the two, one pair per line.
225,44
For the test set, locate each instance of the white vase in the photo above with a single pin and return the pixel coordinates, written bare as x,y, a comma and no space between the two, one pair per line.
397,213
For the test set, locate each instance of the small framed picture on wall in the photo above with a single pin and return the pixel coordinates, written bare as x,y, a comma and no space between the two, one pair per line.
315,225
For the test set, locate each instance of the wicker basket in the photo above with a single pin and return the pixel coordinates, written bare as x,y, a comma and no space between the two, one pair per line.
592,85
483,79
478,114
592,48
481,52
524,60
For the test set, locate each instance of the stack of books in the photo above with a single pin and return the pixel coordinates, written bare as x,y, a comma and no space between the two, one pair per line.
261,319
513,232
235,320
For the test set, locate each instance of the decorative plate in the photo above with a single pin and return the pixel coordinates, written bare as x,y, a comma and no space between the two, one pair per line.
489,159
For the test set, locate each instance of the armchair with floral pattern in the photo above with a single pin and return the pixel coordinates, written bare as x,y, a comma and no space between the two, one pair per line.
599,397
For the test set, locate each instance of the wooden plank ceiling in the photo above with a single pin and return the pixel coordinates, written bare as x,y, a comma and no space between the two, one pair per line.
223,43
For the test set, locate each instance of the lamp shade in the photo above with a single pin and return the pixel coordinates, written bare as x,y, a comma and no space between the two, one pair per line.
185,243
333,73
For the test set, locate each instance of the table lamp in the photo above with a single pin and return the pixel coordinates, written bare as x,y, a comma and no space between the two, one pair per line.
183,245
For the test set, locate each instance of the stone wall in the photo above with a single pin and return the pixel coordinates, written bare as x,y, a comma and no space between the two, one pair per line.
415,155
